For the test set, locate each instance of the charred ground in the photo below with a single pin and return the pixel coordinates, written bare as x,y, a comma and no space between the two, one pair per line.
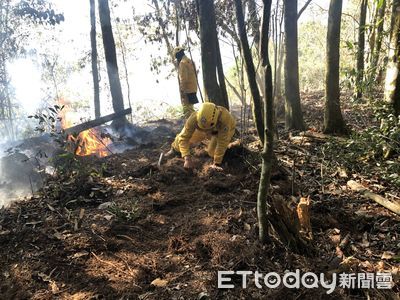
121,228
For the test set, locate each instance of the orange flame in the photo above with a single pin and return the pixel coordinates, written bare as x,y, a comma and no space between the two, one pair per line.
87,142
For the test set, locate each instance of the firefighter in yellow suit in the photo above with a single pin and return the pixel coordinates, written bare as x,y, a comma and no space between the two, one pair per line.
210,122
187,81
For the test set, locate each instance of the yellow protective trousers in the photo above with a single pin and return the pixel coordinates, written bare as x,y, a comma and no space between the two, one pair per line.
188,108
200,136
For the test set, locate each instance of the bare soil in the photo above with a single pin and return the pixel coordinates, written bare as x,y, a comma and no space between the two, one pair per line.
122,228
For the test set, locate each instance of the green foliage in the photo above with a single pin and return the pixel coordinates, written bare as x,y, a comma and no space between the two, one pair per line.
379,3
38,11
349,78
127,212
48,122
367,85
373,151
159,26
65,161
312,55
174,112
67,164
144,111
387,136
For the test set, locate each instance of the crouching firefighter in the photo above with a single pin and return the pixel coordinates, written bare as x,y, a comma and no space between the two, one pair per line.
211,122
187,81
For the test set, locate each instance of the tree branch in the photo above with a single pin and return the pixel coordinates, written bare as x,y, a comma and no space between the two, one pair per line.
231,32
235,91
303,8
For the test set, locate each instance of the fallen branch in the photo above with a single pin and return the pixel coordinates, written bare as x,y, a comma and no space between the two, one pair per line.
97,122
392,206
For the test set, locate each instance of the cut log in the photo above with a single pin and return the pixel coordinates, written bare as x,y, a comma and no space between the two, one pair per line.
97,122
392,206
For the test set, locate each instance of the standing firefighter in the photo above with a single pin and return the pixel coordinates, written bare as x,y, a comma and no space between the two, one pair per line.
210,122
187,81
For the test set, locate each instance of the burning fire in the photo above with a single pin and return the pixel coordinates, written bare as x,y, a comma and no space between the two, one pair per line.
87,142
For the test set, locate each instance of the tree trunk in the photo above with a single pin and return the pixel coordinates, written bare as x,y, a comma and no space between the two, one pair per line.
333,119
287,230
392,81
209,60
278,87
293,113
7,113
254,22
111,60
251,72
393,17
95,71
164,34
221,78
360,50
378,37
279,38
267,154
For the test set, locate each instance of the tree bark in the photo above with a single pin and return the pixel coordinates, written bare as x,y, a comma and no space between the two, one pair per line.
378,37
392,81
267,154
279,52
251,72
361,49
254,22
209,59
111,60
221,78
333,119
293,114
95,71
393,17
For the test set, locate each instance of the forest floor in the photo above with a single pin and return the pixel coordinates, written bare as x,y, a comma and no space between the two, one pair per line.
120,227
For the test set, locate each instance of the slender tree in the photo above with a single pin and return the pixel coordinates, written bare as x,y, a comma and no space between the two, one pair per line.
393,17
361,49
392,81
111,60
293,113
284,222
278,50
209,52
380,18
303,9
166,38
95,71
254,22
251,72
267,154
333,119
221,78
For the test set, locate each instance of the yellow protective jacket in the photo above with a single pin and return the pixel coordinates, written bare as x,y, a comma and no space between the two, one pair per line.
224,131
187,76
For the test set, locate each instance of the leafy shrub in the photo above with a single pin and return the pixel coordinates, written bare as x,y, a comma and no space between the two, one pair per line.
375,150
